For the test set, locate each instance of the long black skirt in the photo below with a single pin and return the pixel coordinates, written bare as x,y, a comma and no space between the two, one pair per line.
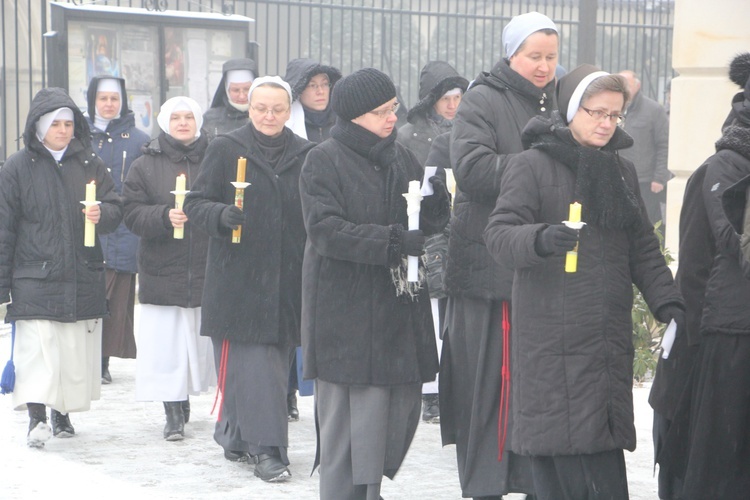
470,381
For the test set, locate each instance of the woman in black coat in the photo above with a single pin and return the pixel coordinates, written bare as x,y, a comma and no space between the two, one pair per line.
173,359
252,293
572,351
367,333
55,282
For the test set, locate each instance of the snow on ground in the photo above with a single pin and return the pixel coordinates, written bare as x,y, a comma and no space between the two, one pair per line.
119,453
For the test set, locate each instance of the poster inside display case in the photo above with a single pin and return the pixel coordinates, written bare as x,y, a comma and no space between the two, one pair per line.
160,55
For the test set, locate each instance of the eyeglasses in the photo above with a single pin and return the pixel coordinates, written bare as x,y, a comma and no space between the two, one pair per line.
315,87
600,115
272,111
382,113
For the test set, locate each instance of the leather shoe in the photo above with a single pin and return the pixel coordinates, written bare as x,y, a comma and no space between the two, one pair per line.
236,456
270,468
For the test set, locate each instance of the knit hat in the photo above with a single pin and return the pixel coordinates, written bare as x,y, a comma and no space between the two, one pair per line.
521,27
179,103
360,92
739,73
570,89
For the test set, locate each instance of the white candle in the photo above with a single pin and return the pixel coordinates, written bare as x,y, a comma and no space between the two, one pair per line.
89,229
179,199
413,202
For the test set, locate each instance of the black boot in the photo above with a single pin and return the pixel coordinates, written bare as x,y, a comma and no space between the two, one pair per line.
61,426
175,428
186,409
431,408
106,377
270,468
291,407
39,431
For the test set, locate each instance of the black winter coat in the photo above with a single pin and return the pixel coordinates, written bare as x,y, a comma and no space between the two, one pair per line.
252,291
44,266
572,332
486,134
355,329
170,272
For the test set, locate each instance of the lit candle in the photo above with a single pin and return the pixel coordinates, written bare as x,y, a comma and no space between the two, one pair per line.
239,194
571,258
413,205
89,229
179,199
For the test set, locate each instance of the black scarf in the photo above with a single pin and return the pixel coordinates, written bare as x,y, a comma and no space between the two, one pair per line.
272,149
735,138
176,150
319,119
606,200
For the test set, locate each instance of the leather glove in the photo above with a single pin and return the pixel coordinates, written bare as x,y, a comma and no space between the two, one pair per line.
669,312
555,240
231,217
412,242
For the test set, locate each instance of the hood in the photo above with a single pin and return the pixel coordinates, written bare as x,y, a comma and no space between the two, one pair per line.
220,96
45,101
300,71
91,95
436,78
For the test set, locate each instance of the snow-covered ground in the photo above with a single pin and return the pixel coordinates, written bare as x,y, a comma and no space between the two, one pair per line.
119,453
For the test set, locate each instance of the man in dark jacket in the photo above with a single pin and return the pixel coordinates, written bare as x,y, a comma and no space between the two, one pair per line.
311,82
646,121
118,142
56,283
230,104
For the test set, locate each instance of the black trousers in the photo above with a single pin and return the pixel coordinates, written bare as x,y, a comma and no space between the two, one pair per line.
598,476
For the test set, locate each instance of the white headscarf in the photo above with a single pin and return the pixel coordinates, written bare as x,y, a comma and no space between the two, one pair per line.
270,79
45,121
107,85
575,99
179,103
521,27
238,76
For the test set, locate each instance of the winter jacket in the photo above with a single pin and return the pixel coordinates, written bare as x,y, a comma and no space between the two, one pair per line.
436,78
317,124
572,332
252,288
646,121
728,288
170,271
118,146
355,329
486,134
44,266
222,117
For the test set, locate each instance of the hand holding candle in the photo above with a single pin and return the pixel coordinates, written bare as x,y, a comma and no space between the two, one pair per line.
574,221
179,198
413,205
92,214
239,194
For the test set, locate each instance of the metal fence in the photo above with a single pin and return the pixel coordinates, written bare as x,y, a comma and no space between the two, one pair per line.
397,36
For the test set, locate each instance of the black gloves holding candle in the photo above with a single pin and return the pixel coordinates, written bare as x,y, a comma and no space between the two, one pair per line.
555,239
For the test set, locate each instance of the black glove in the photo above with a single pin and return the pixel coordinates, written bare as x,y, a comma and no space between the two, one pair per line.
412,242
555,240
231,217
669,312
438,185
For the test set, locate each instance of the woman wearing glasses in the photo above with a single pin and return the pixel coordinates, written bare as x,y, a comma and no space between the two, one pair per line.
251,297
311,82
367,332
572,331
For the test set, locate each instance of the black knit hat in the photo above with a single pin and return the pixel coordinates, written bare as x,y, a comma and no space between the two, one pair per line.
739,73
362,91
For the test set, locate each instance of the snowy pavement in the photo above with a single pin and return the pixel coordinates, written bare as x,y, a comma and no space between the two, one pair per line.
119,453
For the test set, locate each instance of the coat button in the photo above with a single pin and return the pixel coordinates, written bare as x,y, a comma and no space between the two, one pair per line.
544,109
109,139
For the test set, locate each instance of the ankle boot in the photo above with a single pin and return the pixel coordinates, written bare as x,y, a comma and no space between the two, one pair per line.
186,409
431,408
39,431
291,407
61,426
106,377
175,428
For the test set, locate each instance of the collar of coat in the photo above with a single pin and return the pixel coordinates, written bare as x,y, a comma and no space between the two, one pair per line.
606,199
